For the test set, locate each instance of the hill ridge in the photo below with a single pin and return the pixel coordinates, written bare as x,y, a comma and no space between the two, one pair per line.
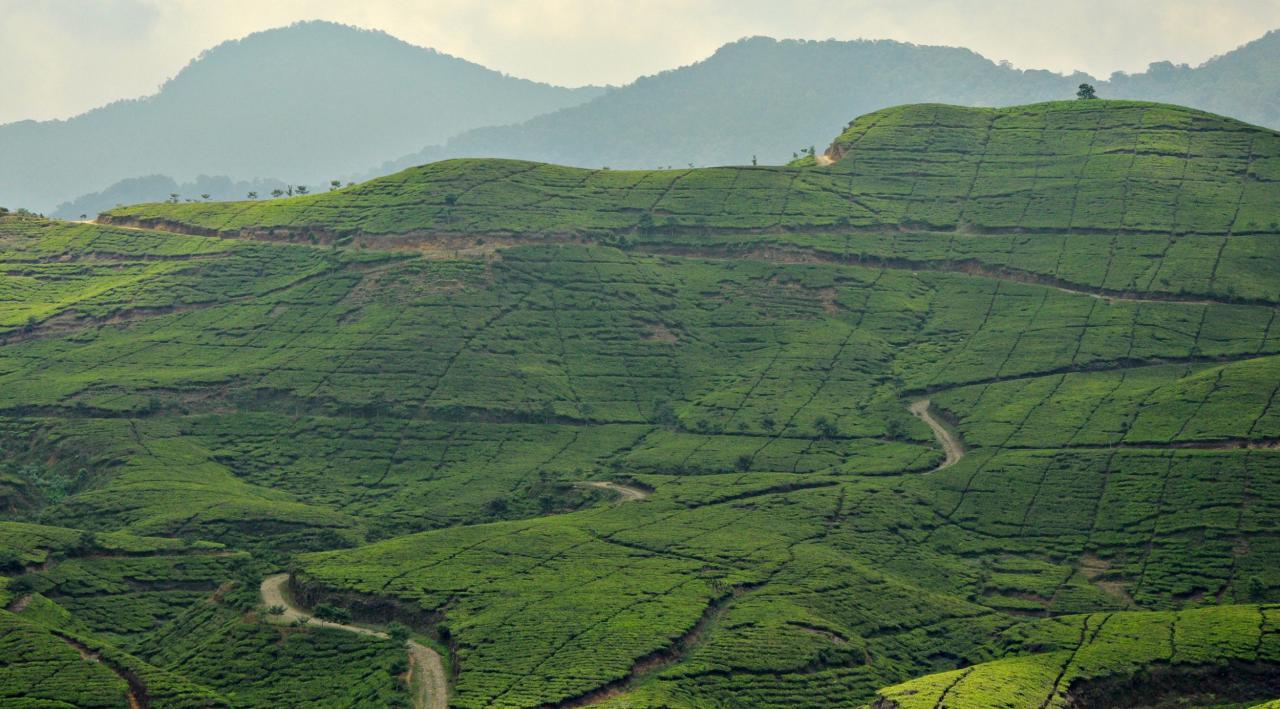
1151,165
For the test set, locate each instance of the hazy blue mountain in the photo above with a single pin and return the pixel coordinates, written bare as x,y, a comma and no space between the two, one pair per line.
770,98
158,188
304,103
1244,83
317,101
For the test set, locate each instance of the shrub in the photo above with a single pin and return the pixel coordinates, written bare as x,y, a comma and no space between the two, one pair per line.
331,613
21,585
397,631
1257,589
10,561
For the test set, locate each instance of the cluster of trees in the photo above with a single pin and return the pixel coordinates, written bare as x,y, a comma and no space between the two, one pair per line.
174,198
290,190
287,191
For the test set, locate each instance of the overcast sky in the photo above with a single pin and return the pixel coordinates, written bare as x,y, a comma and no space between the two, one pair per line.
62,57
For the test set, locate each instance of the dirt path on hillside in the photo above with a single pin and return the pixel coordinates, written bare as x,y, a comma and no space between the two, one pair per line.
426,667
626,493
20,603
426,675
135,692
782,254
778,253
951,442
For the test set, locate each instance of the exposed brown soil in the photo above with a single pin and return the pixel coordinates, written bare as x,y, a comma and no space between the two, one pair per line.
655,660
446,244
626,493
950,441
136,692
971,267
660,333
1095,570
20,603
427,673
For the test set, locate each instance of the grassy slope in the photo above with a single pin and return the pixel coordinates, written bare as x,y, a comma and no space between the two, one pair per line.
1077,166
1093,647
795,551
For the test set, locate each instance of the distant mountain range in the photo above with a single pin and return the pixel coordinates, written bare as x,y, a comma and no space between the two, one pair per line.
770,98
318,101
305,103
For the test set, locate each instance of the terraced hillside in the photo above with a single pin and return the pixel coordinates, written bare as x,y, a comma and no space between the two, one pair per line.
1078,166
981,412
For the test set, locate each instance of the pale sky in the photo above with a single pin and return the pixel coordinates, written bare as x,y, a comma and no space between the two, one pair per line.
62,57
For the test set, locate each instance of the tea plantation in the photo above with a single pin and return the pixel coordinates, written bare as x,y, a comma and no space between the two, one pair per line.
981,413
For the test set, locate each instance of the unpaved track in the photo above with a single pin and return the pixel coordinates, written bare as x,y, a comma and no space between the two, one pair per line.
135,692
626,493
798,255
950,442
426,676
426,667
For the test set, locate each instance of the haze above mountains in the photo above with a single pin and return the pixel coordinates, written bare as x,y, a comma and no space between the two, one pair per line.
255,110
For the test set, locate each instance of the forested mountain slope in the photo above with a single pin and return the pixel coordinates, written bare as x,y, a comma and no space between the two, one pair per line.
988,404
770,98
257,107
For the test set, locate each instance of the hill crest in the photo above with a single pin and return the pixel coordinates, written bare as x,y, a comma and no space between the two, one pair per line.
1096,166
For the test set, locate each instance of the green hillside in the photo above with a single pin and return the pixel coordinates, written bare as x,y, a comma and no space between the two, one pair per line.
1074,166
1236,645
990,402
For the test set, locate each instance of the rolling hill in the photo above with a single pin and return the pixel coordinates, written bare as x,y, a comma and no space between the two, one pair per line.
256,108
981,407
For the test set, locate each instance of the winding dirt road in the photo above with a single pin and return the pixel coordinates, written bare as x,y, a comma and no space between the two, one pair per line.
626,493
426,667
950,442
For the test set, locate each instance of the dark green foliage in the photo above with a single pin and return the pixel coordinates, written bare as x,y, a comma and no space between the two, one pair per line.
324,611
397,631
1257,588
